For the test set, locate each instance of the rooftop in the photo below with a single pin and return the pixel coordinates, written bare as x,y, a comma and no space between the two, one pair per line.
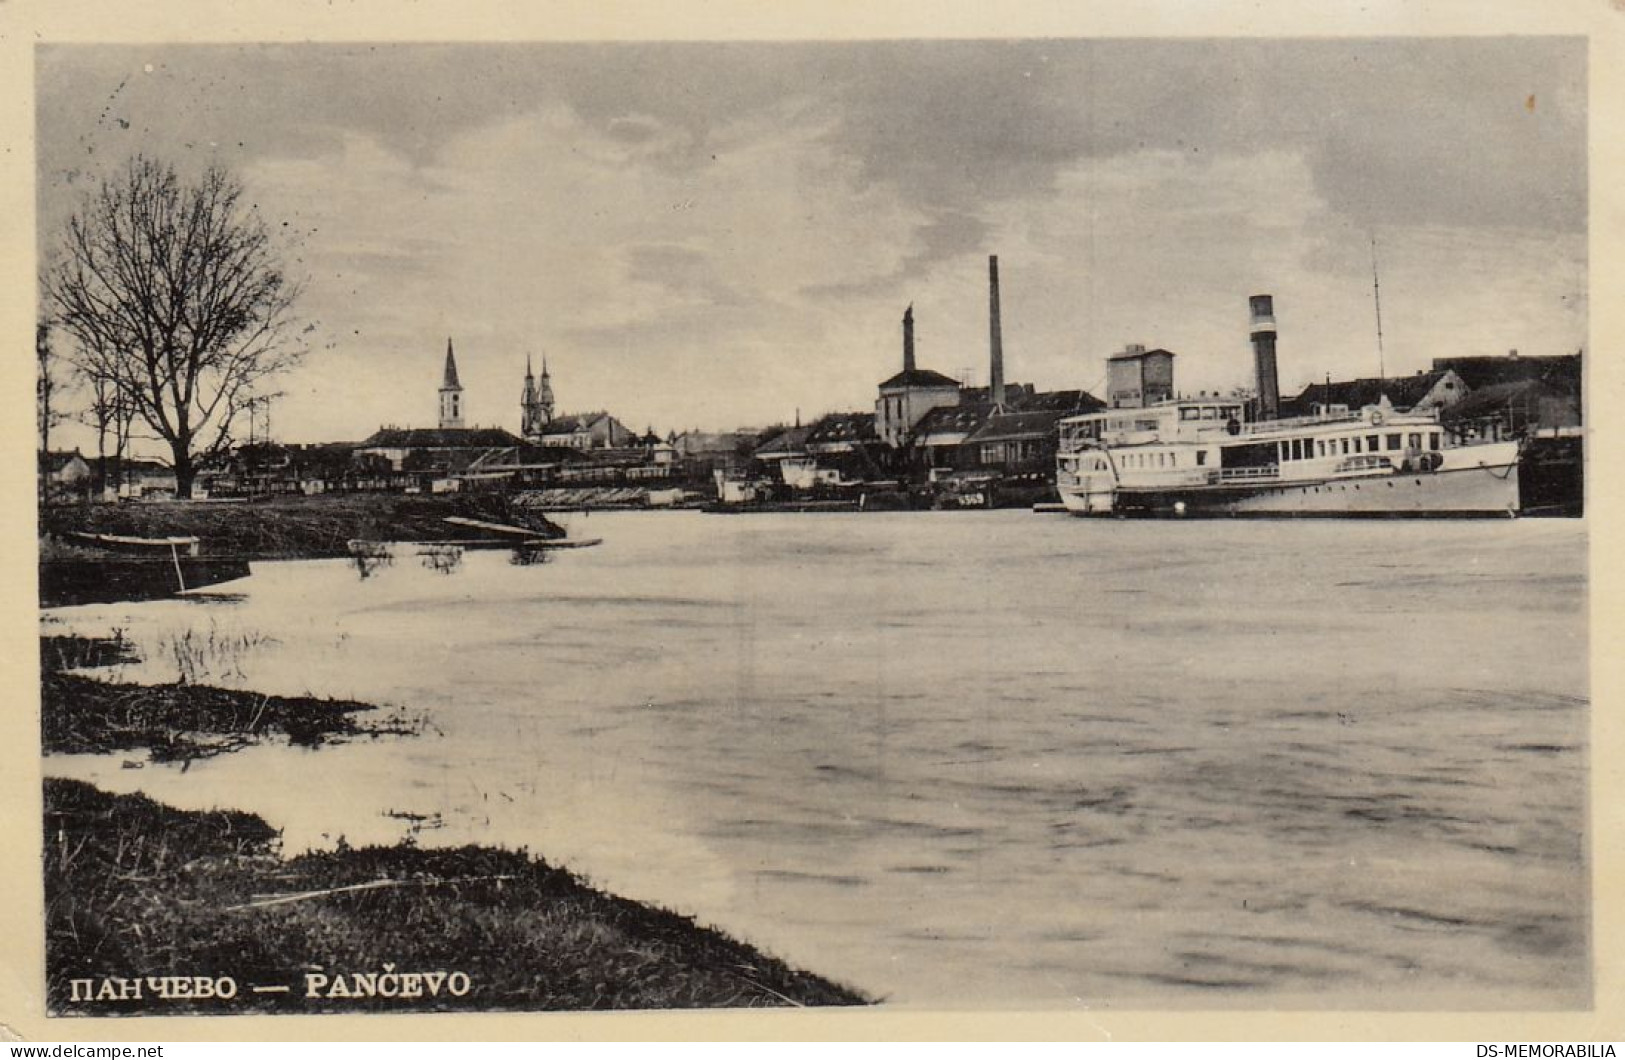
440,438
919,377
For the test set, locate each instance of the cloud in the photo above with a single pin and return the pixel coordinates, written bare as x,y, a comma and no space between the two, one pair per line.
710,234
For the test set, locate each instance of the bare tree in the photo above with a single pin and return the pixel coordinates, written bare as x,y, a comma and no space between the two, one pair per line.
174,295
107,412
47,415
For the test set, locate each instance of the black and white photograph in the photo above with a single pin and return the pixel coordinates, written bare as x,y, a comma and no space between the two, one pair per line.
1062,523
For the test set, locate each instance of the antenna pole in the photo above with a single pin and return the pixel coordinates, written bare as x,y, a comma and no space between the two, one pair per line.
1376,294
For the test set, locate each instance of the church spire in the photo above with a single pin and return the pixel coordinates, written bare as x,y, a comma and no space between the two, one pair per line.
450,382
451,394
544,393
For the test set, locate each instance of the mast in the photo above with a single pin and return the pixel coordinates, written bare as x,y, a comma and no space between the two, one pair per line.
1376,295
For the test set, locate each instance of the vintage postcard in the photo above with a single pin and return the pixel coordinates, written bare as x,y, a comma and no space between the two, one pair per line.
818,522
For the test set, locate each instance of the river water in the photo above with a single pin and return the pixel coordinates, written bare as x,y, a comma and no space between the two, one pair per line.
971,759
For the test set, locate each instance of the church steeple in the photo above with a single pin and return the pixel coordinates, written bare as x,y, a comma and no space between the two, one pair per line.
535,403
451,394
544,394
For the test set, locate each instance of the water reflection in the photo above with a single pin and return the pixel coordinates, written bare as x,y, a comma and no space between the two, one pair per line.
994,758
444,559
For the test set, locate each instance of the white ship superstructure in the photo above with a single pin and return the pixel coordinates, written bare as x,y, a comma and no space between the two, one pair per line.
1156,454
1195,456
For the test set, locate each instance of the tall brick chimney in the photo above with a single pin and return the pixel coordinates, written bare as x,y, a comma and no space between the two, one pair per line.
1263,335
995,332
908,338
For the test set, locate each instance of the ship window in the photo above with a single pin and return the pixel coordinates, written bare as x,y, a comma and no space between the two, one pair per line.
1201,457
1210,413
1356,445
1190,414
1394,441
1320,447
1433,440
1283,452
1345,447
1371,443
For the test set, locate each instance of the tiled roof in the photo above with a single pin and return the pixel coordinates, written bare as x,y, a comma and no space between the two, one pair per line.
843,427
56,461
952,419
1493,399
1561,372
792,440
1069,401
919,377
1009,426
1128,355
1403,392
440,438
570,424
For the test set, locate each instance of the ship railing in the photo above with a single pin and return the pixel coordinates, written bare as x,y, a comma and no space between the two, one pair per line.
1298,423
1244,474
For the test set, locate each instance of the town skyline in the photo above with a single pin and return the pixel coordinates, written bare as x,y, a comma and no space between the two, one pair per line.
711,236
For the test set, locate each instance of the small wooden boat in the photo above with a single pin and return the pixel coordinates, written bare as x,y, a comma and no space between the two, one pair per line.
108,568
152,546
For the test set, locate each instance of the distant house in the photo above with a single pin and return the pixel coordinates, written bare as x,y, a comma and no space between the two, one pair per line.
701,444
785,454
1138,377
1512,410
1020,440
589,430
435,449
64,472
938,440
1561,374
1438,389
909,396
790,441
841,432
131,477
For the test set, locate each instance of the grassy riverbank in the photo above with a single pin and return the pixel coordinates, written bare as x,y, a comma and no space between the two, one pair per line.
137,889
297,527
185,719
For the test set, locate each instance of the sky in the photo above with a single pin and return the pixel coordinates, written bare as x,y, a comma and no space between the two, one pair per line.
719,235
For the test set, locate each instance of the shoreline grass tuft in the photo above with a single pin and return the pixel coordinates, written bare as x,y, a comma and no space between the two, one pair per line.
138,889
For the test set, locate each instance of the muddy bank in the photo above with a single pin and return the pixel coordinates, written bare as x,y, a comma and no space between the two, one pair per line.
185,719
145,904
297,527
81,715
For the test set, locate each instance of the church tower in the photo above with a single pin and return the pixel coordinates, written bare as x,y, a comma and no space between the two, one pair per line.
544,395
535,403
451,395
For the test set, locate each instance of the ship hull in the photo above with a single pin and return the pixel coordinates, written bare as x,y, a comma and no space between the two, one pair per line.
1486,487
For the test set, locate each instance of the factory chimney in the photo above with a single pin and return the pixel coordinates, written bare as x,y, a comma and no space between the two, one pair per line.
995,333
908,338
1263,336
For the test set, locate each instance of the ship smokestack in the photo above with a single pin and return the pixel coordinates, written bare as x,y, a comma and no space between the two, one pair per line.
908,338
995,332
1262,332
